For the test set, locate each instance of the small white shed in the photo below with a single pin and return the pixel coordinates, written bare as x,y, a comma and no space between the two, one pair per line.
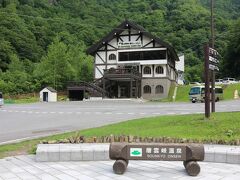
48,94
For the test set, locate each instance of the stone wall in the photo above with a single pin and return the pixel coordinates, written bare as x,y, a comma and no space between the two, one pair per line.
153,82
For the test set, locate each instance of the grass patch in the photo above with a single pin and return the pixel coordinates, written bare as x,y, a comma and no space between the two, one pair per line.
228,91
182,126
29,98
221,126
182,93
21,101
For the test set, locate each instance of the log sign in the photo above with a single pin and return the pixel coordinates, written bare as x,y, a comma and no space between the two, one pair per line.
188,153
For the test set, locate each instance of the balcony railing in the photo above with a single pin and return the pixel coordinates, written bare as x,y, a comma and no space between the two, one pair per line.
121,71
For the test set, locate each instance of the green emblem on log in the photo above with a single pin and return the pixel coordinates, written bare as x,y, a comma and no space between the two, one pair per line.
136,152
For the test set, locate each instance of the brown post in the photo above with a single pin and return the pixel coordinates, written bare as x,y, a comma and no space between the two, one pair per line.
212,45
206,72
131,88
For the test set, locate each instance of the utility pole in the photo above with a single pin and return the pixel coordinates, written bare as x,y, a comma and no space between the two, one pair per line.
212,46
207,90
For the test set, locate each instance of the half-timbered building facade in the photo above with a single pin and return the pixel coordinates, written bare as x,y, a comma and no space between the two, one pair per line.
130,62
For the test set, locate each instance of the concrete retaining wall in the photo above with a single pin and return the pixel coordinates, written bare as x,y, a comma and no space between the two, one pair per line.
100,152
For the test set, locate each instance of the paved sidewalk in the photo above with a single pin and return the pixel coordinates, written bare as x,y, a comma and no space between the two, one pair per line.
25,167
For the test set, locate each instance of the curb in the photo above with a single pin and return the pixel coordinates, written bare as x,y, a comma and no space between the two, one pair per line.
100,152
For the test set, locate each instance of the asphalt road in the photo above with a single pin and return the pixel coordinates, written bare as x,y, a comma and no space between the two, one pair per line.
18,122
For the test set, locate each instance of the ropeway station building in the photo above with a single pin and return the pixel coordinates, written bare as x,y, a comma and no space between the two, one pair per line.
129,62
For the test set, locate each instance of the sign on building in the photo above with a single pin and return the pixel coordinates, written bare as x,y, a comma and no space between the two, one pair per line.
130,44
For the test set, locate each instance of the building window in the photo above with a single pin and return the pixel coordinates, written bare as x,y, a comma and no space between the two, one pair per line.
159,70
147,89
147,70
159,89
112,57
142,55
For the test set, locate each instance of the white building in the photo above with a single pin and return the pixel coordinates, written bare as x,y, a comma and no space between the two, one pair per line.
130,62
48,94
180,69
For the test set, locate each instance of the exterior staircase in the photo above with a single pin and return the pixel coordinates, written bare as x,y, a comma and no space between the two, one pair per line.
92,88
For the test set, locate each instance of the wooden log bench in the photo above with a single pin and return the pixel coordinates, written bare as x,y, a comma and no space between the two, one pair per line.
188,153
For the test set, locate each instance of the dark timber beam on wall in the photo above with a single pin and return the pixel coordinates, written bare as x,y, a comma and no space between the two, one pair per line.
131,87
111,46
129,33
136,91
107,64
123,35
148,43
108,50
106,55
118,49
100,57
140,88
99,70
117,38
139,36
121,39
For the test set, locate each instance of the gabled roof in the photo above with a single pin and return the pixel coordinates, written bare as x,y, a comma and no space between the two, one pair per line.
119,29
50,89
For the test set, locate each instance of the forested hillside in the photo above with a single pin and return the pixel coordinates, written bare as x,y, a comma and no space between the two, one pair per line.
43,42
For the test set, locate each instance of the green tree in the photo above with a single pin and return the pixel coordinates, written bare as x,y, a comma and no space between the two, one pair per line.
231,62
55,69
16,79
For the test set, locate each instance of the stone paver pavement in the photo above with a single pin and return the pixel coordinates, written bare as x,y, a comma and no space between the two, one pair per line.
25,167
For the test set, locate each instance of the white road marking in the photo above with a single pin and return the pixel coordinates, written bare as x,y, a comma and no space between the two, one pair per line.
157,113
185,113
142,113
119,113
131,113
171,113
108,113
